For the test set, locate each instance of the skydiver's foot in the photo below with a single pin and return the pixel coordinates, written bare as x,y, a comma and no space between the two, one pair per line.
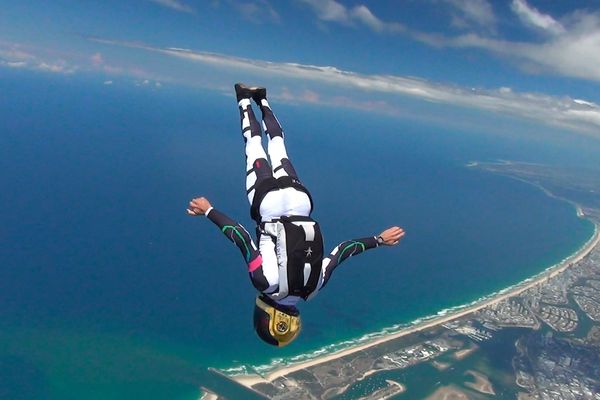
259,93
243,92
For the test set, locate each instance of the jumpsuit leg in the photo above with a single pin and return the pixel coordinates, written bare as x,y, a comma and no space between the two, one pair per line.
266,277
280,161
257,166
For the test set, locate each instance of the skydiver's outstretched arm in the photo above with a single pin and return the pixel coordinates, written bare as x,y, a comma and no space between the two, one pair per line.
349,248
236,233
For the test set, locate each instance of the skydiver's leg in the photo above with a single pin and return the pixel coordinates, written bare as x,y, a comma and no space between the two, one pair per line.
280,161
297,202
257,166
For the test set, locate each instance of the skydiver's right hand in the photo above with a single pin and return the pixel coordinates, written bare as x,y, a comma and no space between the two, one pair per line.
198,206
391,236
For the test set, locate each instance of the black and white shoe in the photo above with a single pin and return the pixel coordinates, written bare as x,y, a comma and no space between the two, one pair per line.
258,94
243,92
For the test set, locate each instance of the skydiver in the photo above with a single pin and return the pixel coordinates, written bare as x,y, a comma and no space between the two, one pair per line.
289,264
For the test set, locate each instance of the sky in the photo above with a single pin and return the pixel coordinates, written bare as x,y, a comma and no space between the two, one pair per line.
527,59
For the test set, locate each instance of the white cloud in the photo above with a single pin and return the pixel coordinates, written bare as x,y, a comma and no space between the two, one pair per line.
570,48
14,64
108,83
562,111
532,17
14,56
592,115
329,10
259,11
175,5
332,11
477,12
307,96
365,16
61,67
585,103
573,53
15,53
147,83
50,67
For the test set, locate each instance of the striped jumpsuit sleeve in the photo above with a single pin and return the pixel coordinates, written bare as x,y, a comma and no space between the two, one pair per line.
237,234
342,252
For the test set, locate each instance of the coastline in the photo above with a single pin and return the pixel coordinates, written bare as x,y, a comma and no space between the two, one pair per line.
251,379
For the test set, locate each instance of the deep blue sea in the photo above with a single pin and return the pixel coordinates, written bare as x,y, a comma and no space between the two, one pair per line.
108,290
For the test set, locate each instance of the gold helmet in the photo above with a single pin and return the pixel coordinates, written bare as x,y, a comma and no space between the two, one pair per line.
275,324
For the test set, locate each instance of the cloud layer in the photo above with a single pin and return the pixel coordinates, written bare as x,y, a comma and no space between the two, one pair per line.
333,11
569,47
577,114
16,57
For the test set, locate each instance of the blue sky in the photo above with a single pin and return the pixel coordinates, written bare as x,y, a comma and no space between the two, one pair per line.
533,60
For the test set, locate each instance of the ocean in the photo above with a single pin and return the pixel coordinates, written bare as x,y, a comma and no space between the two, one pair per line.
109,290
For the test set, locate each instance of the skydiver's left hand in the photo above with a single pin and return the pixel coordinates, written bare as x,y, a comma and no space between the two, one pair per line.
198,206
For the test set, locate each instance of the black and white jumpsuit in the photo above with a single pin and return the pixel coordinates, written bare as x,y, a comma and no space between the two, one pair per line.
262,260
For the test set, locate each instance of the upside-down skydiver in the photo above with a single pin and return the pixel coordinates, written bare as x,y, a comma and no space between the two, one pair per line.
289,264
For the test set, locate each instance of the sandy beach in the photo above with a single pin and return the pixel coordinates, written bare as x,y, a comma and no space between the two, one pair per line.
252,379
206,394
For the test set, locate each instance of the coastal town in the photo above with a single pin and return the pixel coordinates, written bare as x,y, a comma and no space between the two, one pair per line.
552,321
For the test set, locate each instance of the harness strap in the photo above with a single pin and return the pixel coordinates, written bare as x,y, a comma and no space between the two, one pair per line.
270,184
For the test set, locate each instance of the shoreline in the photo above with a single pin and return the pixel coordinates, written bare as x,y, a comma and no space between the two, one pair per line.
251,379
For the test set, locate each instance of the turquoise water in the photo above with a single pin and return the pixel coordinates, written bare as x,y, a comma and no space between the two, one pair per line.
108,289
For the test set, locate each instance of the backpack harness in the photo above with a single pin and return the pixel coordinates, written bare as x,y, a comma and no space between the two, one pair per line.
298,243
